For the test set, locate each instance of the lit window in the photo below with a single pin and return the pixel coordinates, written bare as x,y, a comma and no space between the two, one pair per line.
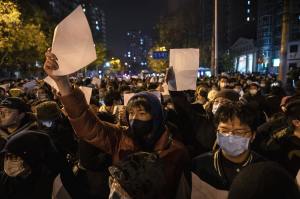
97,27
248,18
248,10
96,22
249,2
83,9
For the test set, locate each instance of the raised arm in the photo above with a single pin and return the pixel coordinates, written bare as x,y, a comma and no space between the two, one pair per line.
84,121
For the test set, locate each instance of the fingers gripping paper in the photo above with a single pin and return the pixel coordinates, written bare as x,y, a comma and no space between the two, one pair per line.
73,43
185,63
87,91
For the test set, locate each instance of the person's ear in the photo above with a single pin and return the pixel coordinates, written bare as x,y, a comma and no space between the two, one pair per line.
296,123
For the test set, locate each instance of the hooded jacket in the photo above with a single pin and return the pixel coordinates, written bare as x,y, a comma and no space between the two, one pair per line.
38,151
115,140
27,123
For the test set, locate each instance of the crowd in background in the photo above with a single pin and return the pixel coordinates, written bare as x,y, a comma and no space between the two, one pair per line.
239,133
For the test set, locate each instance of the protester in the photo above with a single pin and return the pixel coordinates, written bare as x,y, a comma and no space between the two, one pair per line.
53,122
15,117
264,180
146,130
283,145
31,163
235,131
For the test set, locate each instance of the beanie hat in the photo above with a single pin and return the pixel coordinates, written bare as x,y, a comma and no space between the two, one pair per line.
140,175
229,94
47,111
15,103
293,109
264,180
35,148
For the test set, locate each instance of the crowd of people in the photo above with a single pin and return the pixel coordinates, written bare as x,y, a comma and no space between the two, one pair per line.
236,133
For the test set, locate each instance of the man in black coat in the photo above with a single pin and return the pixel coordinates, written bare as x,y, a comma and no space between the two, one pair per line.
15,117
235,132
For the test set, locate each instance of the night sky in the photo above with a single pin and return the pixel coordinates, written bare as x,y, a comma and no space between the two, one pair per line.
124,15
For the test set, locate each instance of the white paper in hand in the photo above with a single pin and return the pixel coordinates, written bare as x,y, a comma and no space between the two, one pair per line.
87,91
51,82
73,43
201,189
185,63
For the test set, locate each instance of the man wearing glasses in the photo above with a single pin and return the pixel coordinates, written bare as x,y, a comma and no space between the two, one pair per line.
235,123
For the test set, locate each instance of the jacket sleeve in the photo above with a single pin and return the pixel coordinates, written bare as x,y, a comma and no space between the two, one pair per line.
88,126
184,112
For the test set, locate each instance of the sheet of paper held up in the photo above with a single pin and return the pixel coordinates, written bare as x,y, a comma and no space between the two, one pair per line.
201,189
87,91
185,63
73,43
51,82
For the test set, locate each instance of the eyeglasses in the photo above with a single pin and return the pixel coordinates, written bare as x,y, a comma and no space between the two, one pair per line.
242,133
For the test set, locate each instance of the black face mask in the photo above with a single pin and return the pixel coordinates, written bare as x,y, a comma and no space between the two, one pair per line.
140,131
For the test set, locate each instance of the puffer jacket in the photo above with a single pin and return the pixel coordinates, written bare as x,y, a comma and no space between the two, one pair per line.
115,140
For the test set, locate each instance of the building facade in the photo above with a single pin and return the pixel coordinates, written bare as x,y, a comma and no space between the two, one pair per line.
139,44
293,54
245,53
236,19
269,31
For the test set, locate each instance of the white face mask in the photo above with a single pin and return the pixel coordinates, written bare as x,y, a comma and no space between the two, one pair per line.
215,108
47,124
13,168
253,91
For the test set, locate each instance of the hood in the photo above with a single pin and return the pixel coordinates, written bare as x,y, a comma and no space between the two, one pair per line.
157,114
35,148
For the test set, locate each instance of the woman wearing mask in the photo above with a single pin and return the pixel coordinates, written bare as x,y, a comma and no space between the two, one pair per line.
147,130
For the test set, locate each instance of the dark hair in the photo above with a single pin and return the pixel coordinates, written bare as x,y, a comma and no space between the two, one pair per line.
139,101
141,174
293,110
264,180
109,99
242,111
